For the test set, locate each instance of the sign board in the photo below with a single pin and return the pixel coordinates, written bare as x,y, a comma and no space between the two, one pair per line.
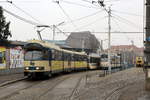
16,57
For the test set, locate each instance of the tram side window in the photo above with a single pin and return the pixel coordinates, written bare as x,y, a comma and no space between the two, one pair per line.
65,56
75,58
53,54
79,58
46,55
57,55
68,57
85,58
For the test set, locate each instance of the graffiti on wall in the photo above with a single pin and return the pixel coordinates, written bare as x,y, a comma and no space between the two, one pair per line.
16,57
2,57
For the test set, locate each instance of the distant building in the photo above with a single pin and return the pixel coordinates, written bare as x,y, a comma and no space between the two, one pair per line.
131,48
128,52
83,40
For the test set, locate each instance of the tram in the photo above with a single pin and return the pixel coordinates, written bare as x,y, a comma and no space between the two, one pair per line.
115,62
94,61
44,59
139,62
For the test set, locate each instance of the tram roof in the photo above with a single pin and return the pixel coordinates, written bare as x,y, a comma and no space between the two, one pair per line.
52,45
45,44
94,55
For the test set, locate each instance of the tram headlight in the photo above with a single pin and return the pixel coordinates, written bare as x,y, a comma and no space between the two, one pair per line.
37,68
27,68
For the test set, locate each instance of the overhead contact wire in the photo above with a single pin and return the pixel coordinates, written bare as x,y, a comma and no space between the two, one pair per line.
21,18
23,11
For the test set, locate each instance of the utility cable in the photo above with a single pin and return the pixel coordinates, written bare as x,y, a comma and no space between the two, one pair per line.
90,15
66,14
127,13
125,20
74,3
21,18
23,11
89,24
90,3
120,28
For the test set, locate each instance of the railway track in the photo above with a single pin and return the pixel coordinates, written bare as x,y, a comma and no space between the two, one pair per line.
12,82
82,81
115,94
28,84
53,84
47,87
75,91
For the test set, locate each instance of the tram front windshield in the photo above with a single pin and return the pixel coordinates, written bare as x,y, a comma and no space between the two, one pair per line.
33,55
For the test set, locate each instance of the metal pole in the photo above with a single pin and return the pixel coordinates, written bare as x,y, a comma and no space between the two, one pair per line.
39,35
83,45
101,45
109,39
53,33
147,46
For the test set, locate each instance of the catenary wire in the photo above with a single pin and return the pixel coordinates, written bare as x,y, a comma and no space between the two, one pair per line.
127,13
74,3
125,20
23,11
89,24
90,15
66,15
21,18
114,20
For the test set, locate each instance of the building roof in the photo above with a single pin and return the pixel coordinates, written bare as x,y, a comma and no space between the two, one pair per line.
80,35
78,39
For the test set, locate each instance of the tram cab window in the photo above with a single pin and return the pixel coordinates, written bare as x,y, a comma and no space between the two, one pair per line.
34,55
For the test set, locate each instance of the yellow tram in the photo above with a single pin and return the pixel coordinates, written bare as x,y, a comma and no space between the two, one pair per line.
44,59
94,61
139,62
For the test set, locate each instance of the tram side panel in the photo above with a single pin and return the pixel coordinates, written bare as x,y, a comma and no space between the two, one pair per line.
67,62
80,62
57,61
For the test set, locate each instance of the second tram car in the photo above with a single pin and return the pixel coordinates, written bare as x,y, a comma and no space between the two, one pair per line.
94,61
115,62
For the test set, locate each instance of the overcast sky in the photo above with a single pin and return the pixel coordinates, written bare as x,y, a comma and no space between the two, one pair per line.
127,16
